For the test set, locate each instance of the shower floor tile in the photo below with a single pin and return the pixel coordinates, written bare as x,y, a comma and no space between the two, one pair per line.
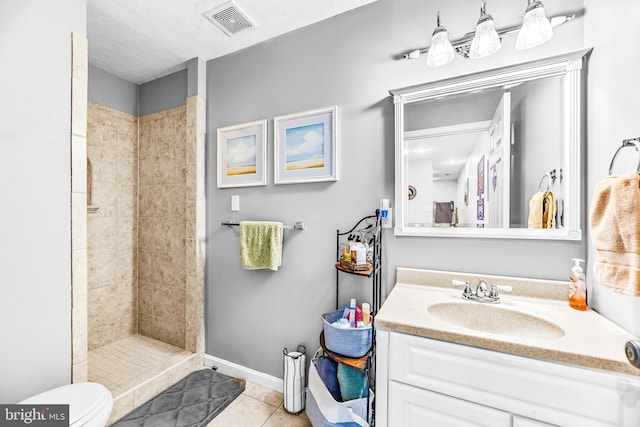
125,364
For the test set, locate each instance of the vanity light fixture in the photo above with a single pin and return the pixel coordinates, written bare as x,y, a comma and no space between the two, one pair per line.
441,50
486,38
536,28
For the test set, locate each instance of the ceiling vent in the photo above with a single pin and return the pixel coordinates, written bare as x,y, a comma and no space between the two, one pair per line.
229,18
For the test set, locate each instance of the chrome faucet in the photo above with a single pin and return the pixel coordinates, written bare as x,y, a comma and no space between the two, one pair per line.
480,294
481,290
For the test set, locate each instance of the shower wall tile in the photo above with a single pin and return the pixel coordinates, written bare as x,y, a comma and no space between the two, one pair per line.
191,182
127,270
105,196
78,164
127,309
102,128
145,136
162,200
128,201
104,163
162,233
80,277
162,167
127,168
170,331
112,230
145,298
102,267
79,221
195,225
190,259
79,86
169,302
149,264
147,326
79,333
191,220
162,225
128,136
112,322
173,270
79,74
102,233
127,236
80,371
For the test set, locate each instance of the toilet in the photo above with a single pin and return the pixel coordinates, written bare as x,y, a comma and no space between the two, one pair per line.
89,403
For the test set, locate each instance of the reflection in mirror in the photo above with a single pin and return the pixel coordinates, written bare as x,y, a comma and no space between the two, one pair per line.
492,155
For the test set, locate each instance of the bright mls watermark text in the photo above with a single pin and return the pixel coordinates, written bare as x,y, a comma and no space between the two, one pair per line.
34,415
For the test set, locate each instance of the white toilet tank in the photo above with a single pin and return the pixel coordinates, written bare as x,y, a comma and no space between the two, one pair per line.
89,403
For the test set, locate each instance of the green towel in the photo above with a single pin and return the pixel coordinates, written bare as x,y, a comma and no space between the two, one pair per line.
261,245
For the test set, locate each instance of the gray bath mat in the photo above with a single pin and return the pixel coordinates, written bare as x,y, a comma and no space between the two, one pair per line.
191,402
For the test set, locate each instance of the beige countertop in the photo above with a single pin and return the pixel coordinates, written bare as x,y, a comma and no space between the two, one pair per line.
586,339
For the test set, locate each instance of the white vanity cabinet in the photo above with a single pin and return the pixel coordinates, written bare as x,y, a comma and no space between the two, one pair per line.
427,382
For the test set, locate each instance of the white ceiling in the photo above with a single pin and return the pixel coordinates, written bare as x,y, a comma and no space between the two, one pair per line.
449,153
140,40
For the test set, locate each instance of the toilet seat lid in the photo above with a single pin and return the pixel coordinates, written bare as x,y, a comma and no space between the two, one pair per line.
84,400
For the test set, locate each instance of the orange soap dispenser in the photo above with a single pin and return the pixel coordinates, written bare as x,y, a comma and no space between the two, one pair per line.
578,287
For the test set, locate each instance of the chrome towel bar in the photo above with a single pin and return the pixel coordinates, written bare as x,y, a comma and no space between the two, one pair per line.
296,226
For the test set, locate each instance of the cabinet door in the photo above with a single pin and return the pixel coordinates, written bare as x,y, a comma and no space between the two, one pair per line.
528,422
414,407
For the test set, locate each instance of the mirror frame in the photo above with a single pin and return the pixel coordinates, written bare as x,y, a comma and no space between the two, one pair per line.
569,65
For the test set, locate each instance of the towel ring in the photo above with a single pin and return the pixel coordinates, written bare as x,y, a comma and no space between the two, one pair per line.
546,175
625,143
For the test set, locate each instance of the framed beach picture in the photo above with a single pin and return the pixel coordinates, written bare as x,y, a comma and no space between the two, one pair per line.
305,146
242,155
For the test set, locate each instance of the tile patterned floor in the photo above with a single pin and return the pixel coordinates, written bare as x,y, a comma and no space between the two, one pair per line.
124,364
258,407
127,363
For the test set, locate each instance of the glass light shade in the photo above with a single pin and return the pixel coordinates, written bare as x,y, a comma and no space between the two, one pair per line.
536,28
486,40
440,51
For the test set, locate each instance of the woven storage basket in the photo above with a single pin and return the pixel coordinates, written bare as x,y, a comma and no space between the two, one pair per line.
350,342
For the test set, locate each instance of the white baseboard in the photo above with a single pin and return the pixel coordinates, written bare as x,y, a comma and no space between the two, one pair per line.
245,373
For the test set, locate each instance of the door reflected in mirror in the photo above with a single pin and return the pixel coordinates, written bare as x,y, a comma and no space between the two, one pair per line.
495,154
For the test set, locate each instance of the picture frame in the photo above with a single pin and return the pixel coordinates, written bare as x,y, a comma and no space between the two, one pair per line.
305,146
242,154
481,176
480,212
466,191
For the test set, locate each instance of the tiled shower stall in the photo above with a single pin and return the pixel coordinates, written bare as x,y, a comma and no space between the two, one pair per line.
139,268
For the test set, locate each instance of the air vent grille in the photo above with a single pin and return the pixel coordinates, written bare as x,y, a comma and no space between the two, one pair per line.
229,18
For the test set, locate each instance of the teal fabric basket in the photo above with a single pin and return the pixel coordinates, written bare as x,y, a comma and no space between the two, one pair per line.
350,342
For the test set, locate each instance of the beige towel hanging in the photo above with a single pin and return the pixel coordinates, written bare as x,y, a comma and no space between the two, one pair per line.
542,210
615,233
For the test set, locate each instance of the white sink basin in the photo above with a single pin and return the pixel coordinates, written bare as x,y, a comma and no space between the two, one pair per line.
495,319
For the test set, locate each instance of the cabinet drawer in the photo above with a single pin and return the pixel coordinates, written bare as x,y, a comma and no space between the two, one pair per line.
526,422
531,388
413,407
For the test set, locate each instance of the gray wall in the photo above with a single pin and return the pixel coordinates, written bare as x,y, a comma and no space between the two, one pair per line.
348,61
35,183
612,117
112,91
165,92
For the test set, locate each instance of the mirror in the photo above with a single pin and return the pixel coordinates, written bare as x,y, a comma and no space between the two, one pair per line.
494,154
